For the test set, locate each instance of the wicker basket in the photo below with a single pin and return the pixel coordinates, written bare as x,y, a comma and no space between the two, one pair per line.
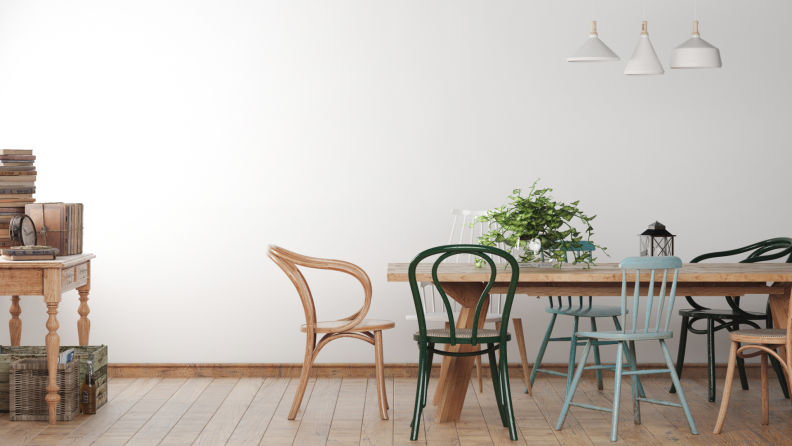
28,387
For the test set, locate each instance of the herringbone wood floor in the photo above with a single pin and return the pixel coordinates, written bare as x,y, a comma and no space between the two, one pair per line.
343,411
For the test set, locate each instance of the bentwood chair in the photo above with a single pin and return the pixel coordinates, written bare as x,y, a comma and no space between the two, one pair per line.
577,311
355,326
494,339
766,341
629,336
761,252
464,218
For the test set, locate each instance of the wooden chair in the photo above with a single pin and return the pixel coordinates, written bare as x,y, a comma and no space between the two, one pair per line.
577,311
495,339
766,341
463,218
625,336
355,326
760,252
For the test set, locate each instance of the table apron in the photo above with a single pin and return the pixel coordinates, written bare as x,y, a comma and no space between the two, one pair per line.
615,289
22,282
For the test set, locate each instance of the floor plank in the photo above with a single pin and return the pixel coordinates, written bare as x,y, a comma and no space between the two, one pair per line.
257,418
375,430
499,435
281,430
198,415
315,426
472,426
403,404
437,434
347,421
156,428
550,404
225,420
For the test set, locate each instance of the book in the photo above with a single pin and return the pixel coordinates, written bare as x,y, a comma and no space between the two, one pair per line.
17,162
18,258
7,178
6,173
13,209
16,152
16,190
18,157
16,197
64,224
4,226
11,213
16,168
66,356
29,251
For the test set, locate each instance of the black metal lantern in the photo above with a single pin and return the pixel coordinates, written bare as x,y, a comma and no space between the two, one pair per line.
657,241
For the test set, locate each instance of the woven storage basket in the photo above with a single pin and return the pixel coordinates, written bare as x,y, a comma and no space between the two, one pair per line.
28,387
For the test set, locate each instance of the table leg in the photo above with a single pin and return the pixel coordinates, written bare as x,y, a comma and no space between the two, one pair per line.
52,298
84,324
15,324
779,306
456,372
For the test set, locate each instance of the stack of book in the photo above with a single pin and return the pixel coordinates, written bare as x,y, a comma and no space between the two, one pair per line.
29,253
59,225
17,186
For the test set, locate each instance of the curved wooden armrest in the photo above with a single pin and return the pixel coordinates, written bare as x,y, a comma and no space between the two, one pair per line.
355,271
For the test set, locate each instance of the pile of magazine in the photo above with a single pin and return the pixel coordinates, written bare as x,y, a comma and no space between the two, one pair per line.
66,357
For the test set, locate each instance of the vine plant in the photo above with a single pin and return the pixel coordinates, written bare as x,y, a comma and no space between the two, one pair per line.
538,217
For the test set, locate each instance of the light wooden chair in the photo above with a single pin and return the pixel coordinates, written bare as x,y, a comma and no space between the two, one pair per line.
625,336
766,340
462,219
355,326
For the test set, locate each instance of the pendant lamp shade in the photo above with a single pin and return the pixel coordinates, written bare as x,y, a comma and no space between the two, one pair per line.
594,50
644,59
695,53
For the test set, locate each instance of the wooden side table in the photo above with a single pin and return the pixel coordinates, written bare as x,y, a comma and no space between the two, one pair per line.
50,279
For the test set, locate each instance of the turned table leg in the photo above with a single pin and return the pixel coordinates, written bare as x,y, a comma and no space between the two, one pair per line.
15,324
53,346
84,324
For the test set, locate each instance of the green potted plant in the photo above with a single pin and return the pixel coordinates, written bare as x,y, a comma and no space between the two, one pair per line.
542,225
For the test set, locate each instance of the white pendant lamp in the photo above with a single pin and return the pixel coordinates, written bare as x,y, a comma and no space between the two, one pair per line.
695,53
644,59
594,50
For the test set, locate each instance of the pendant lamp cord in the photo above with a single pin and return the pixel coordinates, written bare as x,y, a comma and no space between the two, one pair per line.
695,10
644,10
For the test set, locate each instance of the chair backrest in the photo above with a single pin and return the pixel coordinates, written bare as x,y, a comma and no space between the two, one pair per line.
288,262
760,251
480,251
653,264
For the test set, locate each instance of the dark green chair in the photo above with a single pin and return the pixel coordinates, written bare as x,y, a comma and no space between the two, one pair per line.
761,252
495,339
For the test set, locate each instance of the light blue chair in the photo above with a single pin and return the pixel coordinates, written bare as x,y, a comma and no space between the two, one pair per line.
577,311
624,336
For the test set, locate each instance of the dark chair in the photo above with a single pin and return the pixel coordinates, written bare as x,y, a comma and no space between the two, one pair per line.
495,339
735,315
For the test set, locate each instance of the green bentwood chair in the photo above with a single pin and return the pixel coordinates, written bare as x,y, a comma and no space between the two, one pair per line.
577,311
495,339
625,336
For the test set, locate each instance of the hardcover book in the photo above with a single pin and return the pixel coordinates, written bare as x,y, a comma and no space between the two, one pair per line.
16,172
16,191
29,251
16,168
16,152
5,178
59,225
17,158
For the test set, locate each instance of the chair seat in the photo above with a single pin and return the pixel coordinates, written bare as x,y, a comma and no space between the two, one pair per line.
586,310
364,325
629,335
443,317
443,336
760,336
721,314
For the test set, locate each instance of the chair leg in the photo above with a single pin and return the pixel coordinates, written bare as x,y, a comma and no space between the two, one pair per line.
765,391
617,393
518,333
572,354
776,365
542,349
680,391
479,374
741,366
634,383
304,374
683,333
506,393
496,385
641,392
571,393
379,367
597,356
711,358
419,393
726,389
428,371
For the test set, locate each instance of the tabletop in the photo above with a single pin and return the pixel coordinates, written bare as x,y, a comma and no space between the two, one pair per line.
603,272
59,262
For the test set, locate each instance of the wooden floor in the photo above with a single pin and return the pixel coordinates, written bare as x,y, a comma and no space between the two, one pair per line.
343,411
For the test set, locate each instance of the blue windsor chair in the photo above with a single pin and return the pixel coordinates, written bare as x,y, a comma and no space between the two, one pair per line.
625,336
495,339
577,311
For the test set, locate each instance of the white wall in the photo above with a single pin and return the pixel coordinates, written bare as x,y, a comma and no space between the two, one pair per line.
198,132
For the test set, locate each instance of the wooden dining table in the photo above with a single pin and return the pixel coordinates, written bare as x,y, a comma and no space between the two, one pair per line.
465,284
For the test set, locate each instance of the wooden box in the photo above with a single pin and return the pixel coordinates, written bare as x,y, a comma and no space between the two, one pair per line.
28,389
59,225
97,354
